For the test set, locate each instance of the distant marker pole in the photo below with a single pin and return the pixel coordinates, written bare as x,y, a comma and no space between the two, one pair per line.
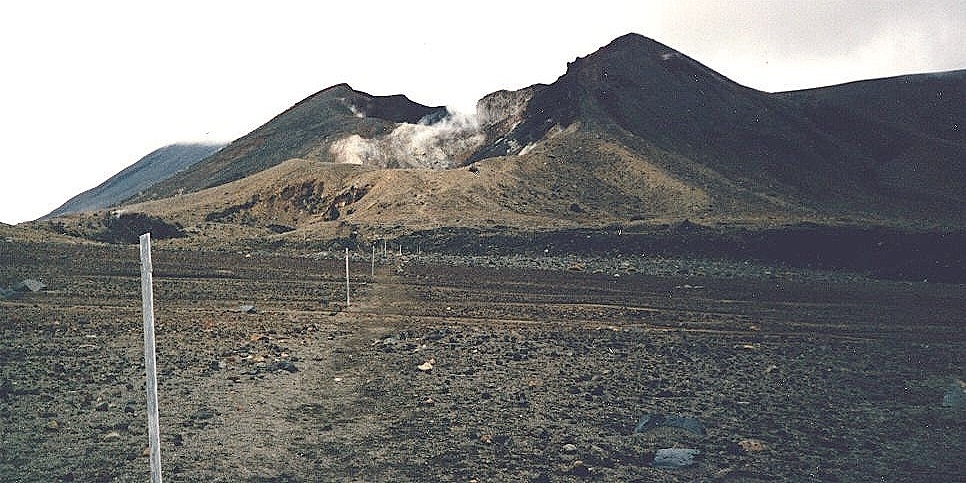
372,262
150,362
346,277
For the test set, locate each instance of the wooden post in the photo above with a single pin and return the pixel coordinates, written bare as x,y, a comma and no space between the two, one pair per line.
346,277
150,362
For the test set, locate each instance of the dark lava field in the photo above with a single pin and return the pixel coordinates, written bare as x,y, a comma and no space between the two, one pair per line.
485,369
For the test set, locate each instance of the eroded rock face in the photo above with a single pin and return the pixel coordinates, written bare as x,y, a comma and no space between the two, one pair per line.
344,199
291,204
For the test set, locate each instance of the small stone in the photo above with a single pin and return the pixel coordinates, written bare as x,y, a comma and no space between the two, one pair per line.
426,366
112,435
101,406
246,309
52,425
569,448
752,445
486,438
429,402
955,395
580,468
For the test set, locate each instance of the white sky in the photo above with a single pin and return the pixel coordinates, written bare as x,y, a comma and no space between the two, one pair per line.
89,87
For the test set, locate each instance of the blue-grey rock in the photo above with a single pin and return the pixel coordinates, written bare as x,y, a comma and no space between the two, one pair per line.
672,458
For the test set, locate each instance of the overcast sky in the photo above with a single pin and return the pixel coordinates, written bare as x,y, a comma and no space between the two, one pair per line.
89,87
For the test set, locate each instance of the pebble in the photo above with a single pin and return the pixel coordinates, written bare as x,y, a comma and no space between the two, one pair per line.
752,445
580,468
569,448
52,425
426,366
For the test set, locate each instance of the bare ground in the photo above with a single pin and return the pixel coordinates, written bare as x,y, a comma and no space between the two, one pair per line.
537,375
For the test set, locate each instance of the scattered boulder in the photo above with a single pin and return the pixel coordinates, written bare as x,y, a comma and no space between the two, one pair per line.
25,285
955,395
426,366
579,468
652,421
29,285
751,445
673,458
246,309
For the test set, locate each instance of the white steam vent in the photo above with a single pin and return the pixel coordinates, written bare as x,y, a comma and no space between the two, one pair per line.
437,145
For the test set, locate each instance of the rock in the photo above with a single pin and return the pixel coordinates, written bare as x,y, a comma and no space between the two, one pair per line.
286,366
955,395
112,435
651,421
569,448
29,285
541,478
52,425
101,406
426,366
751,445
246,309
672,458
579,468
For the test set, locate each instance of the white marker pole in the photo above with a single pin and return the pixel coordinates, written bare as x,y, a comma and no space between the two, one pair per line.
150,363
372,263
346,277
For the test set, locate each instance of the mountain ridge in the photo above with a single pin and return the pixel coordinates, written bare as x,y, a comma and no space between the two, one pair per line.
154,167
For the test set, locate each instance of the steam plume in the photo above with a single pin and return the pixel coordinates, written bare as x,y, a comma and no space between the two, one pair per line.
438,145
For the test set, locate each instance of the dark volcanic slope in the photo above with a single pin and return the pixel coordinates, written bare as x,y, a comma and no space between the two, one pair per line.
911,126
147,171
891,145
303,131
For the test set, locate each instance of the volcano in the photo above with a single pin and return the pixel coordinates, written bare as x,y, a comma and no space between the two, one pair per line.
635,132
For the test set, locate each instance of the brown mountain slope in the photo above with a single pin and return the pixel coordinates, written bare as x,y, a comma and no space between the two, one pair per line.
542,189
